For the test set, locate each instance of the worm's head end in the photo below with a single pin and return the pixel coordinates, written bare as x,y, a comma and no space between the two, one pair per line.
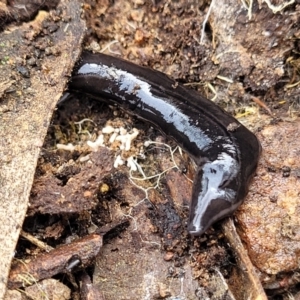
215,193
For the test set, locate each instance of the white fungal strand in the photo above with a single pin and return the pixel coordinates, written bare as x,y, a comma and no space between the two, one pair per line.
131,163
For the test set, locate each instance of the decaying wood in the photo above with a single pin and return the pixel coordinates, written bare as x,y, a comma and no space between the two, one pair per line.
60,260
88,290
27,103
246,273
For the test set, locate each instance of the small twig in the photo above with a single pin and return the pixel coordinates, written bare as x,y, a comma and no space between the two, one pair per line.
213,90
225,78
262,104
205,21
291,85
46,265
36,241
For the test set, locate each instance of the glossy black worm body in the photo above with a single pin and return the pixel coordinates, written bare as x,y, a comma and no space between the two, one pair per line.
225,151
